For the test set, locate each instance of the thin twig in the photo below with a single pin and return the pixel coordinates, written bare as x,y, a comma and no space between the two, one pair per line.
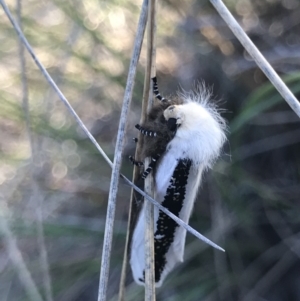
110,215
149,239
149,181
133,194
257,56
93,140
36,196
173,216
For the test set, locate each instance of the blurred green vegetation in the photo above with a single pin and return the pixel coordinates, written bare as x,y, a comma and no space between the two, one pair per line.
249,204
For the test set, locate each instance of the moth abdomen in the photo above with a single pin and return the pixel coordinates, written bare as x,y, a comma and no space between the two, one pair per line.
165,226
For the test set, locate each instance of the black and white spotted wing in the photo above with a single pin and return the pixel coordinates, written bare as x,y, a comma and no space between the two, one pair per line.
165,227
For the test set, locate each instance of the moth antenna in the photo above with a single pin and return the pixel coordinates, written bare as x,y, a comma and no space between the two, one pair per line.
156,91
145,131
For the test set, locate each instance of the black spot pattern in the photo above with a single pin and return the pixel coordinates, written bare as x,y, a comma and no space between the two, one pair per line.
165,225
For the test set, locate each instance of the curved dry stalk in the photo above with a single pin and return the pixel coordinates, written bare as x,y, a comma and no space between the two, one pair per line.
263,64
172,216
110,216
135,176
149,240
149,181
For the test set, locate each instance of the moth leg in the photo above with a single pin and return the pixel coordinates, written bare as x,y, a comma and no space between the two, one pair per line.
135,140
156,91
150,166
134,162
146,132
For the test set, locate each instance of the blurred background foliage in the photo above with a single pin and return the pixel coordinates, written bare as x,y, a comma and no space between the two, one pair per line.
249,204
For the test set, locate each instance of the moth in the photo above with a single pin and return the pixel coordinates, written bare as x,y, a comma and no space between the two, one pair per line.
184,136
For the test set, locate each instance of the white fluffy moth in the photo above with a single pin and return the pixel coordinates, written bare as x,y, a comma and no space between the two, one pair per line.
183,136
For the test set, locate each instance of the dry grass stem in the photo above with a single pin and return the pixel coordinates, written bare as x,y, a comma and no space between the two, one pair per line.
149,240
257,56
149,181
104,273
121,296
173,216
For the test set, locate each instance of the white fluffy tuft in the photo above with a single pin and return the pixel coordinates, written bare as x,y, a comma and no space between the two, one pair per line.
202,131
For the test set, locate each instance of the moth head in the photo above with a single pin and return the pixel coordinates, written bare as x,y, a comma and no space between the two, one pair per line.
174,116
